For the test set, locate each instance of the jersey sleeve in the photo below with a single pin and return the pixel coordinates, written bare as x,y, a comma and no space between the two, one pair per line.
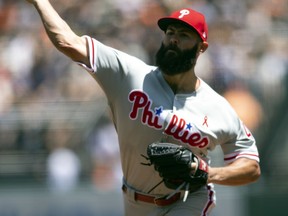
111,68
91,55
244,146
103,58
239,141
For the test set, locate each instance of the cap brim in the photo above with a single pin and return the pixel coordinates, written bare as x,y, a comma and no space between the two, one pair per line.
164,22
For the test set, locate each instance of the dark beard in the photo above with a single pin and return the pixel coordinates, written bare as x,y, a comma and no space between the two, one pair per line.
171,60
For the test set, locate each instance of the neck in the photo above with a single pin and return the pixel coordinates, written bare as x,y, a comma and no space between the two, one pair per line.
184,83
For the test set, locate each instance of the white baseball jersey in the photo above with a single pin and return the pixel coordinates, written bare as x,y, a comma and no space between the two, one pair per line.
145,110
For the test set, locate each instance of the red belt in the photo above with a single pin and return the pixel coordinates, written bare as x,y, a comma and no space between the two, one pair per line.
154,200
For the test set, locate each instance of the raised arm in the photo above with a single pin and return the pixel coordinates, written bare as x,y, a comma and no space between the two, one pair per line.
60,34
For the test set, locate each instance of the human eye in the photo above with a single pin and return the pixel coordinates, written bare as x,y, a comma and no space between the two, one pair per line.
184,35
169,32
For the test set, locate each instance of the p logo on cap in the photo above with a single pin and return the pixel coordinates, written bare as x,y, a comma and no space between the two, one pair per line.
183,13
190,18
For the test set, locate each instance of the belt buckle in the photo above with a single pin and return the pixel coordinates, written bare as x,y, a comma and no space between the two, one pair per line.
157,199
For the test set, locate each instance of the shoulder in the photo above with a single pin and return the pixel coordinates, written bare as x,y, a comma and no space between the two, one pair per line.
102,56
210,95
101,50
217,106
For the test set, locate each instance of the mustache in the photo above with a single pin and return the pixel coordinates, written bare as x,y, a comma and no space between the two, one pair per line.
172,47
172,60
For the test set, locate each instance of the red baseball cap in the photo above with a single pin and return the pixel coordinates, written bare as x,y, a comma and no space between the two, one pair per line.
189,17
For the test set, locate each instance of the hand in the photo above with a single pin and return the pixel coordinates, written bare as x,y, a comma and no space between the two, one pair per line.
177,164
194,167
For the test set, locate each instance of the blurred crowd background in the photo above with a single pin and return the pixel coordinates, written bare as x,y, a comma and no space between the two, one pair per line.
56,134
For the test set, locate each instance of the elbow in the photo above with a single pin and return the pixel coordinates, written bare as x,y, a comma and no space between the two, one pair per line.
60,40
256,173
62,45
72,47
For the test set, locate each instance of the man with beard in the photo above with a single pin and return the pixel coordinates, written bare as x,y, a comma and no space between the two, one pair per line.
164,104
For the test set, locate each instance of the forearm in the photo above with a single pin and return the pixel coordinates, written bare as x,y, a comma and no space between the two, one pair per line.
55,26
240,172
58,31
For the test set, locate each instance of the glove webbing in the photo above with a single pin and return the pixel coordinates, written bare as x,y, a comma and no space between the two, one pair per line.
186,184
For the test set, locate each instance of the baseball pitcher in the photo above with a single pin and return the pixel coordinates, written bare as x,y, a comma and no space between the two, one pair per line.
167,118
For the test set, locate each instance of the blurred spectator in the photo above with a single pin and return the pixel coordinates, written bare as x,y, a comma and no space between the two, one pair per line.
104,149
272,69
246,106
6,89
63,164
63,167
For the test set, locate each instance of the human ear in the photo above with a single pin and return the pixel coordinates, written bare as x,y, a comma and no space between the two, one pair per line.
203,46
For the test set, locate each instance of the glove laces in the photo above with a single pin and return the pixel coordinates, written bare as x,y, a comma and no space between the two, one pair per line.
180,187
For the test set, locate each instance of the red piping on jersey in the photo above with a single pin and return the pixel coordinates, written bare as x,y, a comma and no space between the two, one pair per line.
93,54
233,157
210,201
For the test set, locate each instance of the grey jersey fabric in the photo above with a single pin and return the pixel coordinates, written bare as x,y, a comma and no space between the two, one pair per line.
145,110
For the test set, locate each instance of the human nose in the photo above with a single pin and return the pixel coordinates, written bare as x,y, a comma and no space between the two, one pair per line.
174,40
